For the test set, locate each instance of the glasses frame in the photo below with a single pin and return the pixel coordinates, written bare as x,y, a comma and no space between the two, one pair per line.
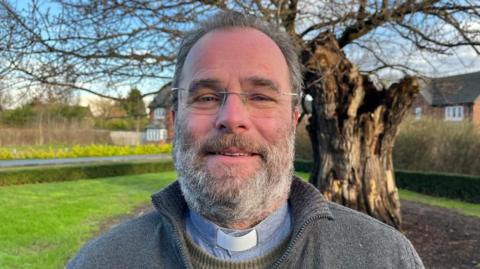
225,94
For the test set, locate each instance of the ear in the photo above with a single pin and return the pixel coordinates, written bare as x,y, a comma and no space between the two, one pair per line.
296,116
174,115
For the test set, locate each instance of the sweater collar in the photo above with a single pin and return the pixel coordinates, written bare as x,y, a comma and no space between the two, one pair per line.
170,201
222,242
307,203
305,200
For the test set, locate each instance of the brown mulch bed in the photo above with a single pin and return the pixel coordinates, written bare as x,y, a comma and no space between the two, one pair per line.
443,238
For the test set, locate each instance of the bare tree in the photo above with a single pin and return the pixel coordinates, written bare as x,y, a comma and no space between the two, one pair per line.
92,46
103,108
5,100
353,123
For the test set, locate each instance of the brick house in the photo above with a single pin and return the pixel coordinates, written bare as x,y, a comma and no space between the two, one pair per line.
452,98
160,129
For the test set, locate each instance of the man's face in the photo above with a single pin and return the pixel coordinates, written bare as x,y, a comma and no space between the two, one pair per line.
235,164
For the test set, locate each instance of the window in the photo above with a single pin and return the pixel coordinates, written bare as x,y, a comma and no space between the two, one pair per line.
163,134
153,135
156,135
454,113
418,113
159,113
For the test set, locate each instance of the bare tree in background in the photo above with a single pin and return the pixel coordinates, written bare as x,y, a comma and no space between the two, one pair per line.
103,108
5,100
92,46
352,125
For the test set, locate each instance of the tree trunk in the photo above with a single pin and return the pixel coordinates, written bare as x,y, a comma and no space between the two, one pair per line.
352,128
137,130
41,139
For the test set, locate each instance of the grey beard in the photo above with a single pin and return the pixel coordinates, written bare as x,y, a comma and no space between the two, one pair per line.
230,199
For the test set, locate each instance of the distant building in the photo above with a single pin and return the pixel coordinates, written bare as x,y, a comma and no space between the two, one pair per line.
452,98
160,129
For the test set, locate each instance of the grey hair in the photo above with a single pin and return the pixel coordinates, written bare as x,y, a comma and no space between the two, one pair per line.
230,19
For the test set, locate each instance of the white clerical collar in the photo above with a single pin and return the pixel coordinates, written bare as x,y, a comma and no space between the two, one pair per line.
269,233
233,242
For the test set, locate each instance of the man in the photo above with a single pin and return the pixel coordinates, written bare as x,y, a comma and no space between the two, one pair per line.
236,203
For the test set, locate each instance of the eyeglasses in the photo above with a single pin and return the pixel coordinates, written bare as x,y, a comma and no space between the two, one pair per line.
260,103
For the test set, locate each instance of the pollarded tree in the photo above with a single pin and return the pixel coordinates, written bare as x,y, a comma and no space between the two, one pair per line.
353,122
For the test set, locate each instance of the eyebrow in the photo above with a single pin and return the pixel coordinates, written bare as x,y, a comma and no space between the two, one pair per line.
204,82
216,84
261,81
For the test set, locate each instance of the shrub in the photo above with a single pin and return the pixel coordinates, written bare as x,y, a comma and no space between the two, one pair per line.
18,117
68,173
53,133
73,112
38,113
424,145
121,124
437,145
303,147
463,187
83,151
303,165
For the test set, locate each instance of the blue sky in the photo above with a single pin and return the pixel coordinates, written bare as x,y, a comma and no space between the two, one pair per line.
461,60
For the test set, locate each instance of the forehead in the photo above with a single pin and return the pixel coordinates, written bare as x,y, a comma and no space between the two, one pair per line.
231,54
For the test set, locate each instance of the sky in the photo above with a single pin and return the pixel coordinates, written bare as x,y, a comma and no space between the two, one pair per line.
463,60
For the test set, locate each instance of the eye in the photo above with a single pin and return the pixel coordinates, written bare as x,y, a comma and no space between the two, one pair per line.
206,98
257,97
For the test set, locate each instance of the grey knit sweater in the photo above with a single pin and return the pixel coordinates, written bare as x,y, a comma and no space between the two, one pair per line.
325,235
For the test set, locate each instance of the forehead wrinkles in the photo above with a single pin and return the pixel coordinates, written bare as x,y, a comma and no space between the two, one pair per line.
245,83
216,76
242,50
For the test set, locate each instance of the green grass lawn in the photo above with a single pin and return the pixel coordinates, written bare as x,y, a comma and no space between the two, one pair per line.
468,209
43,225
303,175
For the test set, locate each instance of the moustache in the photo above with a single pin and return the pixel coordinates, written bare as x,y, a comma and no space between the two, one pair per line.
220,142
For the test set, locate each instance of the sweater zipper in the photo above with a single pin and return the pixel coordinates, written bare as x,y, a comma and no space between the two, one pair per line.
297,237
177,237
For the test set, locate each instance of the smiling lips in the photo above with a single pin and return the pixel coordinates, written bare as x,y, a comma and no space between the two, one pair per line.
234,152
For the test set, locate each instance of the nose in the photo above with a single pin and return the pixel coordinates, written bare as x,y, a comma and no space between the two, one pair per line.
233,116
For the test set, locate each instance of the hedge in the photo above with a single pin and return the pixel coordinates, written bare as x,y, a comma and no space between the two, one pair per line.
303,165
455,186
67,173
76,151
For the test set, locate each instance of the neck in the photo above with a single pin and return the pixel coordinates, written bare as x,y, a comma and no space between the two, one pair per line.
243,224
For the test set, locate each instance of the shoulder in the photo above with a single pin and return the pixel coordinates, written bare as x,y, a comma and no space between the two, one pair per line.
119,245
347,217
339,237
371,240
